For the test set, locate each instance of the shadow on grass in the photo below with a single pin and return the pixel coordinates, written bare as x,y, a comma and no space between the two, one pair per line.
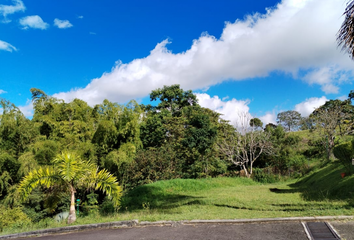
277,190
280,207
325,184
152,197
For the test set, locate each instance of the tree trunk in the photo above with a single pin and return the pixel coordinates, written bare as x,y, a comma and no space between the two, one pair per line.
246,171
72,213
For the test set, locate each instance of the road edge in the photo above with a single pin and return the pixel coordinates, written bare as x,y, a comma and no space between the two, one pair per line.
136,223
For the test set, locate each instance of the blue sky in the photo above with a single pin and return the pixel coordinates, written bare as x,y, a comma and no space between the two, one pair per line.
260,57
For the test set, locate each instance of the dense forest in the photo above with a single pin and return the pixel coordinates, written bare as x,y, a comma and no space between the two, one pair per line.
134,144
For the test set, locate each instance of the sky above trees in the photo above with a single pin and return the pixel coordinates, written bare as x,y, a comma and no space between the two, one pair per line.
261,57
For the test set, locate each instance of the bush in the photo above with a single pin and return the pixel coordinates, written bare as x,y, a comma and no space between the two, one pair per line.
260,175
107,207
297,163
344,153
12,217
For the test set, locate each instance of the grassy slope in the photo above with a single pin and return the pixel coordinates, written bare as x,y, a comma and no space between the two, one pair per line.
320,193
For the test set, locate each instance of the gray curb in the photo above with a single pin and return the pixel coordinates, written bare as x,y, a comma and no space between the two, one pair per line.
136,223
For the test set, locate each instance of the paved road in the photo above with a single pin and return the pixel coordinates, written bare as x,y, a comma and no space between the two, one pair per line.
345,229
256,231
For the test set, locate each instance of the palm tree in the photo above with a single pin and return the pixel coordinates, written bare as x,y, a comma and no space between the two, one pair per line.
345,35
69,172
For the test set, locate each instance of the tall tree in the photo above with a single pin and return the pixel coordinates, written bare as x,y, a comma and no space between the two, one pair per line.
256,122
289,119
69,173
173,98
334,115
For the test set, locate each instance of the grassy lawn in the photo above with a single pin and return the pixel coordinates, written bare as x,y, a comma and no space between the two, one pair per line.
321,193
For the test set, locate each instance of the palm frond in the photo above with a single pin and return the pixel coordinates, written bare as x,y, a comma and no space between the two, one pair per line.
345,35
43,176
107,183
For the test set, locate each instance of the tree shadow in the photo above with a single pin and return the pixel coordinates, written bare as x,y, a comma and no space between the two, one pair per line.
280,207
323,185
277,190
152,197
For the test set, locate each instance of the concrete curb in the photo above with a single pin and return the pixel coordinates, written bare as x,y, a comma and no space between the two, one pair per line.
136,223
48,231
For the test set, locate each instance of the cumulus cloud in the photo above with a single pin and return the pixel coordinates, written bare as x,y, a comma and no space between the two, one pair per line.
306,107
34,21
230,109
326,76
270,117
292,37
2,91
62,23
6,10
7,46
27,109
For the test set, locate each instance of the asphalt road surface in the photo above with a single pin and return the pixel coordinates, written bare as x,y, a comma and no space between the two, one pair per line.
261,231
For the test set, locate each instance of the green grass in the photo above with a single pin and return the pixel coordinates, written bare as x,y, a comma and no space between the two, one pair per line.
320,193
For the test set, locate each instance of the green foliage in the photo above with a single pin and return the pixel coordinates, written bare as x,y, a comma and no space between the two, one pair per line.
289,119
153,164
12,217
45,151
107,207
68,173
345,153
16,131
256,122
8,172
173,98
264,176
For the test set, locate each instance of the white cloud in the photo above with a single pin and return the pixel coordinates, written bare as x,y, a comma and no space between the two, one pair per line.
306,107
34,21
230,110
293,37
80,17
27,109
269,117
7,46
2,91
11,9
327,77
62,23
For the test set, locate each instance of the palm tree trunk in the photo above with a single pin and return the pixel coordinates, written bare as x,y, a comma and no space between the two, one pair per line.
72,213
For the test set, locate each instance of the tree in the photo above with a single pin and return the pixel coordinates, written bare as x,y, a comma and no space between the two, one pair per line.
173,98
200,133
345,35
70,173
289,119
270,126
256,122
328,119
244,147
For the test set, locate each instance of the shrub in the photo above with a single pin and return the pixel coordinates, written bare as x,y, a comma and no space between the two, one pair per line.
344,153
297,163
107,207
12,217
259,175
